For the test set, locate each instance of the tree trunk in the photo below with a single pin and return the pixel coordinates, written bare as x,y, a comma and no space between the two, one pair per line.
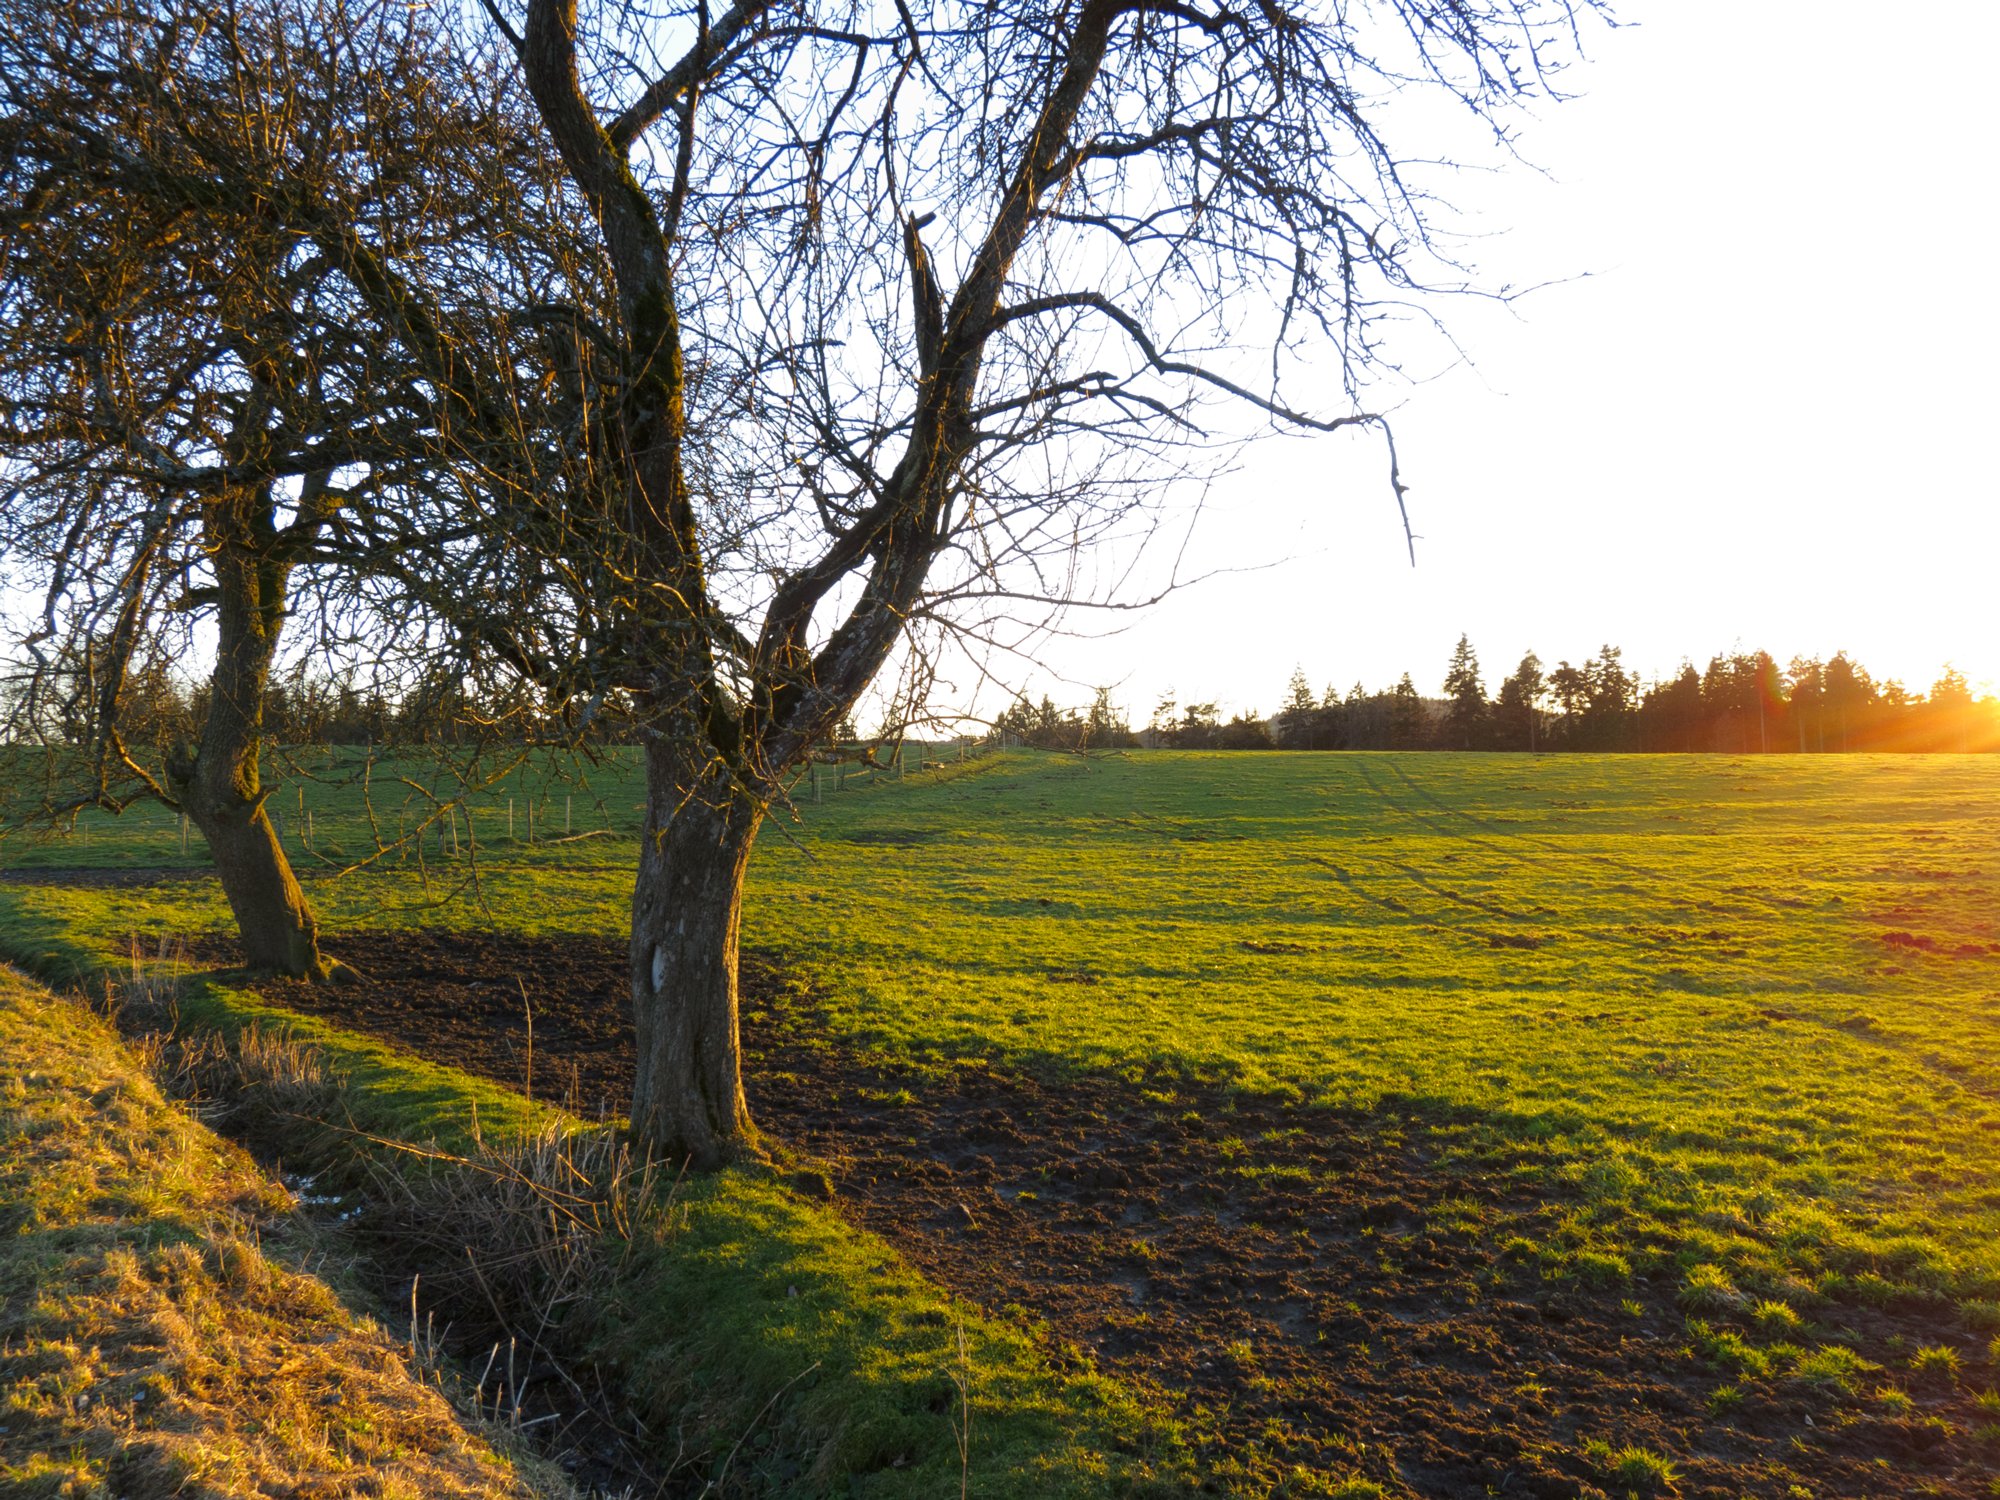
279,932
687,1095
218,788
219,784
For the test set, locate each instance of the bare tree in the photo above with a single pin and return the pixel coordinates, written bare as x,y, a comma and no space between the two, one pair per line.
240,240
885,318
932,292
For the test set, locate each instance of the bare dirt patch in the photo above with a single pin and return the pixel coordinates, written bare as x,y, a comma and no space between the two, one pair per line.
96,877
1309,1287
1924,943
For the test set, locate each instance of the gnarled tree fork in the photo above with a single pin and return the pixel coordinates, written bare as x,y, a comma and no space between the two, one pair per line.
978,273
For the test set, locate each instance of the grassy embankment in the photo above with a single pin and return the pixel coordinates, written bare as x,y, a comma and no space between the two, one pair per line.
1741,1017
157,1336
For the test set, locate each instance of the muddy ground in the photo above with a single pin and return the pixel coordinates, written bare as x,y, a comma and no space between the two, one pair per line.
1310,1279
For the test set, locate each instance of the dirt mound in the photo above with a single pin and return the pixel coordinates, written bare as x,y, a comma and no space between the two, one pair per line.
1310,1287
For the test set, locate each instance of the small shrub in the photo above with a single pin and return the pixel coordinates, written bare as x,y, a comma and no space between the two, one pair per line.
265,1077
284,1075
1895,1399
152,985
552,1213
1724,1398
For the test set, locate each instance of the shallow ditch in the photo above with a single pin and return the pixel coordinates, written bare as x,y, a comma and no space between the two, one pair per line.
494,1357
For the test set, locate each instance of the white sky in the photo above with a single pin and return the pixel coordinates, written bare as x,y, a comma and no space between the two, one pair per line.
1761,420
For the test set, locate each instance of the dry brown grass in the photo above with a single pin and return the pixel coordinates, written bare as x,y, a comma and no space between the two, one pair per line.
526,1244
154,1339
535,1228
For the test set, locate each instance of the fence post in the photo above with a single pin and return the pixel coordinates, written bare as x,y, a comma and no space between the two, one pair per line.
510,820
566,797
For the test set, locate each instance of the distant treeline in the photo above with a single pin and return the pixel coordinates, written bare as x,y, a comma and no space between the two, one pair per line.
1742,703
1739,703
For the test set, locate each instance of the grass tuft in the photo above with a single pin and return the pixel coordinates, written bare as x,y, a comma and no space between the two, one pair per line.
1775,1317
1635,1469
1939,1360
1832,1366
1708,1289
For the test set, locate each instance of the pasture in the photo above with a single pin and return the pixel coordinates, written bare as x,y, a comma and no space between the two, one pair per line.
1410,1125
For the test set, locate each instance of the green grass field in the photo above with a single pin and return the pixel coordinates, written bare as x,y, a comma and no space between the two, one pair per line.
1740,1018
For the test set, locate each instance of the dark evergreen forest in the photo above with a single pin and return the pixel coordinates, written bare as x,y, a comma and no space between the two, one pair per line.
1742,703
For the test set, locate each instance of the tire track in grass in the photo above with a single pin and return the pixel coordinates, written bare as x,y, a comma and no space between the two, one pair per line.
1473,903
1401,911
1504,844
1947,1074
1775,903
1783,906
1445,893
